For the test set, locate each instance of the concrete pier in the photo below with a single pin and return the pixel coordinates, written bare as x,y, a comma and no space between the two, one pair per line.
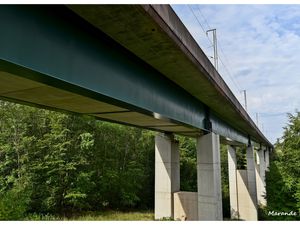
242,186
251,182
267,156
167,175
209,177
232,172
261,184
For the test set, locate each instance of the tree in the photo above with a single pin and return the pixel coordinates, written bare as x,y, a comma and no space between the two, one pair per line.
188,164
71,163
64,163
283,178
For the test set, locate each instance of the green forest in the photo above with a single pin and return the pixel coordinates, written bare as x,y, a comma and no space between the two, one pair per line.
61,165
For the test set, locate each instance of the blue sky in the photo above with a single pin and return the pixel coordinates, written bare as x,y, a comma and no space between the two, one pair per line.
260,47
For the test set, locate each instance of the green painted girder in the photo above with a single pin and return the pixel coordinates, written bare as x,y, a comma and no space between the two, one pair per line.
52,45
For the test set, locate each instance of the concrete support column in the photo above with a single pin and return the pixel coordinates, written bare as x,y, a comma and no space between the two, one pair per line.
251,180
232,172
261,184
257,175
209,177
267,157
167,175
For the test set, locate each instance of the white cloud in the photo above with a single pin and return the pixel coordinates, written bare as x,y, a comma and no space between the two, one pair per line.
262,47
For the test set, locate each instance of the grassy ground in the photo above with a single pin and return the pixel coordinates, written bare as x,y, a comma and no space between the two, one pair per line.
116,215
99,216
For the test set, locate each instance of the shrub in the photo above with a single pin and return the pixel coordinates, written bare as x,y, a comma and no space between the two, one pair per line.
14,204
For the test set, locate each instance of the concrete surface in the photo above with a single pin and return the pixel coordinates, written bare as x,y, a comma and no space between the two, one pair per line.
209,178
232,170
251,178
167,175
251,183
260,177
185,206
267,154
246,206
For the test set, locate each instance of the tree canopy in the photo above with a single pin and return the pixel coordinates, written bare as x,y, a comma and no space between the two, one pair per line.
283,178
61,164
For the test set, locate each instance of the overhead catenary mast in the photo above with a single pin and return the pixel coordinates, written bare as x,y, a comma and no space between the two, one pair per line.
215,45
245,98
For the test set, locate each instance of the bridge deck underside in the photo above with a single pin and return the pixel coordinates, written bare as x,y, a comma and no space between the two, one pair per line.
30,92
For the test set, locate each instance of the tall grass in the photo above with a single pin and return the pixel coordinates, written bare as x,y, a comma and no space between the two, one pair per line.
98,216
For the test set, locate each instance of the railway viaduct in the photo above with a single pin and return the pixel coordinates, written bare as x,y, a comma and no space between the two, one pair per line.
138,65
